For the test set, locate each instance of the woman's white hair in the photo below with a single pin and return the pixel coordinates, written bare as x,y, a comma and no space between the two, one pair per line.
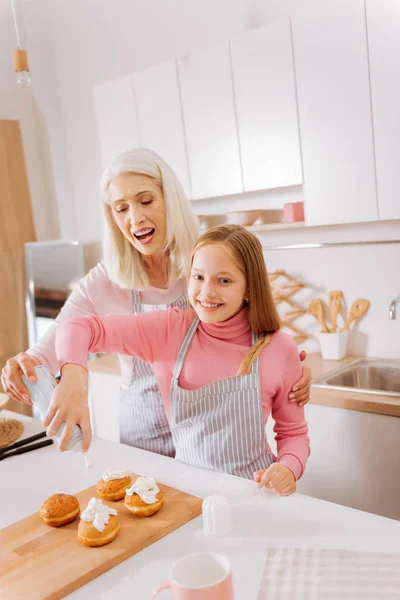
123,262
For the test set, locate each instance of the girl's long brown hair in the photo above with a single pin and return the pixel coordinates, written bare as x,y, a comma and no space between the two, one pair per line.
246,249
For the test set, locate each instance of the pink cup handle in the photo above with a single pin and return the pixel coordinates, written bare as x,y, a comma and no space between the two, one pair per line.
164,585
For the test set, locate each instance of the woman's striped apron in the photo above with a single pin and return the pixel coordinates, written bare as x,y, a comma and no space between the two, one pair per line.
143,420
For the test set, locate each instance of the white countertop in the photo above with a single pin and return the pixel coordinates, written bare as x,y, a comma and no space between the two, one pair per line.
261,518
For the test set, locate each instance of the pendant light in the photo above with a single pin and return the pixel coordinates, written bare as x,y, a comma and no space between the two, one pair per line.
21,66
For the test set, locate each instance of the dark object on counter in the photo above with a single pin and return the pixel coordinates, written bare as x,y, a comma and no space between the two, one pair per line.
24,445
23,442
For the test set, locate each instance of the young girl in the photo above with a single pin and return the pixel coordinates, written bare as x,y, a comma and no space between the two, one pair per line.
222,367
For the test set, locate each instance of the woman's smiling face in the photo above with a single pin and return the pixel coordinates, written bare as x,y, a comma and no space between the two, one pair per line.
217,286
138,208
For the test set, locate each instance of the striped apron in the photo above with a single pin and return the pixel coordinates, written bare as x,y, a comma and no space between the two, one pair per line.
220,426
143,420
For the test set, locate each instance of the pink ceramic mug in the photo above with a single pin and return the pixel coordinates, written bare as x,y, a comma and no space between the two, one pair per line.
199,576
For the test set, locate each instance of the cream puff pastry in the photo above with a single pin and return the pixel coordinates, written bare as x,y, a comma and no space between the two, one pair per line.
59,509
113,484
144,498
99,524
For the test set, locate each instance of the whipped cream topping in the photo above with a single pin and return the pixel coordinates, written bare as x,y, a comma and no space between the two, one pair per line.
111,474
146,488
97,513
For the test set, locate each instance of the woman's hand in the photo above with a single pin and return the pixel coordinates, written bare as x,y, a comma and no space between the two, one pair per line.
277,478
14,369
69,404
301,390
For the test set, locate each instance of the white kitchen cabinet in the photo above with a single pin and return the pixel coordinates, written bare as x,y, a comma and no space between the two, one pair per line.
104,405
354,459
383,26
210,122
159,115
116,118
265,94
331,65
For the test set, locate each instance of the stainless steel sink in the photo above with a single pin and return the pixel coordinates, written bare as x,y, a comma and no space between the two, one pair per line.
368,375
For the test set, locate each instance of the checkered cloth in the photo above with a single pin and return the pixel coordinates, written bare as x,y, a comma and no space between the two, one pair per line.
301,574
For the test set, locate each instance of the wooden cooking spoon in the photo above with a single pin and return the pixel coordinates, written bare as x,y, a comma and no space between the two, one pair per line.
357,310
317,310
335,304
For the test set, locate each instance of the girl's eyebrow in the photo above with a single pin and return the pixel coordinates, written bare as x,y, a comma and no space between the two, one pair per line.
219,274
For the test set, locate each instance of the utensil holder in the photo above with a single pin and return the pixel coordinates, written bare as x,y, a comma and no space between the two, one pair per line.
333,345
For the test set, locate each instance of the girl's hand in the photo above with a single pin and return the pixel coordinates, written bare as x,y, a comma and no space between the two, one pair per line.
69,404
14,369
277,478
301,390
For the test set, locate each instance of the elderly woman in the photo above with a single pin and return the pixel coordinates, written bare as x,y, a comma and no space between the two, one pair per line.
150,231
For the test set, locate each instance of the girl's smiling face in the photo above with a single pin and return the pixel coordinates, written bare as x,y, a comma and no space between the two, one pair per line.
217,286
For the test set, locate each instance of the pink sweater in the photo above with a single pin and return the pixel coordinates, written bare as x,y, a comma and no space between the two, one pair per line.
215,353
97,294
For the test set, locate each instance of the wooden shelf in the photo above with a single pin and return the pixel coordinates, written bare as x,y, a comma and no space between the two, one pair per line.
269,226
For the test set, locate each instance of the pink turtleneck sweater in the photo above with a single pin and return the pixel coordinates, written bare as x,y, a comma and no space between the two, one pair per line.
215,353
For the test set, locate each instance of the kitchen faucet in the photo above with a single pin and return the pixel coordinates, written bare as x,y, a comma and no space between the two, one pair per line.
392,308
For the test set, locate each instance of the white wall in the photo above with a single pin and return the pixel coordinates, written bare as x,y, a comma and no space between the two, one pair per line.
362,271
19,104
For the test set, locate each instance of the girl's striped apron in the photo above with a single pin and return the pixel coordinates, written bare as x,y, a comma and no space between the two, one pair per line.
143,421
220,426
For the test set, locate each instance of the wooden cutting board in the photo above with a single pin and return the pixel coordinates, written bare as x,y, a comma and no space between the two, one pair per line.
38,562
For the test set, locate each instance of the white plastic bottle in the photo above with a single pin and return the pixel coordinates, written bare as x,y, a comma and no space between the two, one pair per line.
41,392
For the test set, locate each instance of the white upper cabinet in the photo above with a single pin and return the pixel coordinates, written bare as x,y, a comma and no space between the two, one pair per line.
331,65
210,122
159,115
116,118
263,76
383,26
